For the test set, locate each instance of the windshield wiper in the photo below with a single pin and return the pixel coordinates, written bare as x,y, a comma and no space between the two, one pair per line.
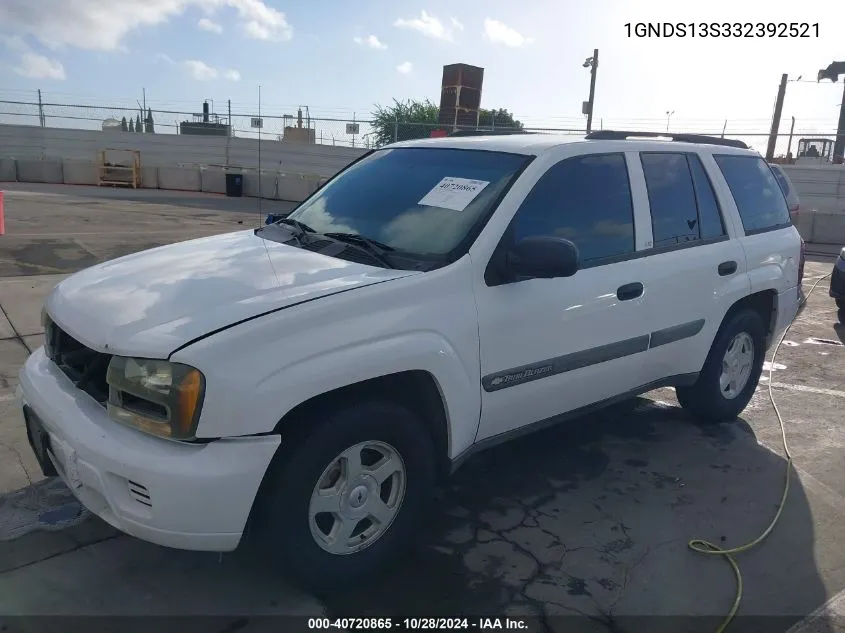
377,249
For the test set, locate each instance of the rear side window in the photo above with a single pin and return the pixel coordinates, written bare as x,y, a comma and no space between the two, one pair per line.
756,191
683,207
585,199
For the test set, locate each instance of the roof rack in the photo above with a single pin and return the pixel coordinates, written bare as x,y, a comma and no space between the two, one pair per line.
488,132
621,135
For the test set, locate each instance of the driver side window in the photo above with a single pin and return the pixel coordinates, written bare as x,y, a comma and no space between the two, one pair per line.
585,199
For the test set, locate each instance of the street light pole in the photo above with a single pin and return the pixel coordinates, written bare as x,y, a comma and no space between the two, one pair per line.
592,63
668,116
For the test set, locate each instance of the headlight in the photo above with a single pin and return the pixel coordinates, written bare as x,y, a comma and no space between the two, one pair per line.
155,396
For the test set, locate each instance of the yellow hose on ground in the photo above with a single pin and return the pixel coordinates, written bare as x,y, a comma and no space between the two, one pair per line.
706,547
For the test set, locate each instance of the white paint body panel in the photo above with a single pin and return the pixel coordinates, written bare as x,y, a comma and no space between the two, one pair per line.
271,326
200,495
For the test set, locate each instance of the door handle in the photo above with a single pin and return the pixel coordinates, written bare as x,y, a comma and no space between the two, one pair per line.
629,291
727,268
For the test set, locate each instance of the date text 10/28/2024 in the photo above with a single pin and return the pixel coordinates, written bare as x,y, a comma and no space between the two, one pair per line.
419,624
722,29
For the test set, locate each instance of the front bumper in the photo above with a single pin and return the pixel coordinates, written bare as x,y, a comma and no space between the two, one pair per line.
837,279
181,495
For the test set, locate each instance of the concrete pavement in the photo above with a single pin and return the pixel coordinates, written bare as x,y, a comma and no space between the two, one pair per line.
583,526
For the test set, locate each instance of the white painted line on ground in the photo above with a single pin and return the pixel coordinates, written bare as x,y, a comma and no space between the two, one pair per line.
805,389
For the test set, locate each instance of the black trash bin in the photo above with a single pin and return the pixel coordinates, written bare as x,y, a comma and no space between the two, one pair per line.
234,185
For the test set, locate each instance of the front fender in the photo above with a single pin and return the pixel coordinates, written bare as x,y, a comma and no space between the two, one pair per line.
424,351
258,371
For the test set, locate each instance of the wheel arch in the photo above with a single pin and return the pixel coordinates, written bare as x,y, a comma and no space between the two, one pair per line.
416,389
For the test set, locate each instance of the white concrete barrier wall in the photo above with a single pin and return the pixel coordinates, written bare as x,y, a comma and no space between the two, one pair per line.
34,170
820,189
213,180
149,177
180,178
8,170
79,172
25,142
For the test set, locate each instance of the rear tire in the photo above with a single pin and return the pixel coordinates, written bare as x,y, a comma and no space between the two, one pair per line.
320,468
731,372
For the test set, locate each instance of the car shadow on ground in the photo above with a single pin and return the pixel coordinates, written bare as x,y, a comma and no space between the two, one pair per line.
586,526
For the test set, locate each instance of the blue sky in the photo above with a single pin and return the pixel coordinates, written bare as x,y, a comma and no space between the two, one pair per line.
340,57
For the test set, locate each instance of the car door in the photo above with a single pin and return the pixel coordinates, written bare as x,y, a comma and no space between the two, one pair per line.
695,271
549,346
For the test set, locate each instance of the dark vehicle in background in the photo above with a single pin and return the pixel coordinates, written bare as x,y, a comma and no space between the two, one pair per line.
788,189
837,282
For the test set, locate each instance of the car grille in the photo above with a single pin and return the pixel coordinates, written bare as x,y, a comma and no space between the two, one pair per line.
85,367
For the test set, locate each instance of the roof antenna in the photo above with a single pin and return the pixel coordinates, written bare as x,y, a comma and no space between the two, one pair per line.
260,125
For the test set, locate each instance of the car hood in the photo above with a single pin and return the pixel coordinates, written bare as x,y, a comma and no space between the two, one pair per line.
152,302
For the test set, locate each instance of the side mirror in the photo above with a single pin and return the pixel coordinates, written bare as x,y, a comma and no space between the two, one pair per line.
542,257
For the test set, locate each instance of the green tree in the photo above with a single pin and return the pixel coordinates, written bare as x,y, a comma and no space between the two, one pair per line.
138,127
498,119
404,120
149,123
411,119
124,126
131,125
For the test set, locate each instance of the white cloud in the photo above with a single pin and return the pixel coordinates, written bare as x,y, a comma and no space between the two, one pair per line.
102,25
501,33
200,70
209,25
405,68
430,26
371,41
260,21
232,75
39,67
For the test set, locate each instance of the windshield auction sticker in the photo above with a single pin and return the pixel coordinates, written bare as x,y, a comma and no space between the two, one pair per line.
453,193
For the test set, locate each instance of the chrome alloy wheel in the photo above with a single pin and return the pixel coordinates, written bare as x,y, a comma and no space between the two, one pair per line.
357,497
736,365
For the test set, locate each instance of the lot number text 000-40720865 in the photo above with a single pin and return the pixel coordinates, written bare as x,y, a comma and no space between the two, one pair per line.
419,624
722,29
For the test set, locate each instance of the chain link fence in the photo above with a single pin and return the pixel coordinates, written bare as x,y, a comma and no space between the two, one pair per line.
300,127
284,128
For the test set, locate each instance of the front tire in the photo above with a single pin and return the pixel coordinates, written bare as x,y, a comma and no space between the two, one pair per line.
731,372
346,499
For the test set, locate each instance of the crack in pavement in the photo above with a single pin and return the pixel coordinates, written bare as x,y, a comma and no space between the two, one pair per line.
78,547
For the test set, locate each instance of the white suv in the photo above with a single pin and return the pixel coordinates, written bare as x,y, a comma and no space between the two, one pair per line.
317,377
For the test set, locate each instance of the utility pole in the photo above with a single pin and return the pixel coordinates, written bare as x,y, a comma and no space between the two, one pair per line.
592,63
259,153
773,135
41,118
791,130
724,127
229,135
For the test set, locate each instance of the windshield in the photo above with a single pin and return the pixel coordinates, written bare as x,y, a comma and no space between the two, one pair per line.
422,201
